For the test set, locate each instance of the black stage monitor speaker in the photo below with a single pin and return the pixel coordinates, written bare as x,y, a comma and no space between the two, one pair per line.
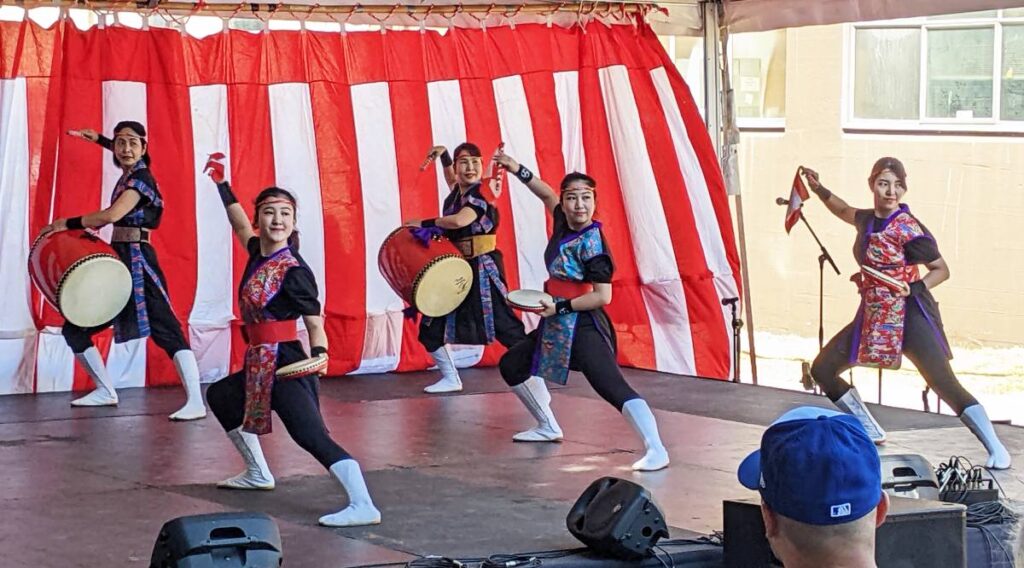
218,540
916,533
909,475
616,517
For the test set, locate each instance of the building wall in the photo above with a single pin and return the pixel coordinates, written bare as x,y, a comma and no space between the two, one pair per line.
968,189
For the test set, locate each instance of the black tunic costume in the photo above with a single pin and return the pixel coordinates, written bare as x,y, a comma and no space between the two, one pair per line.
148,311
296,401
592,337
484,315
924,340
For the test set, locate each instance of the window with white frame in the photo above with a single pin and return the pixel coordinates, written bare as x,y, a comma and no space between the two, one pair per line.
957,72
757,73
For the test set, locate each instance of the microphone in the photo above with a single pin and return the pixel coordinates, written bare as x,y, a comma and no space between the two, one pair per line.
781,201
729,301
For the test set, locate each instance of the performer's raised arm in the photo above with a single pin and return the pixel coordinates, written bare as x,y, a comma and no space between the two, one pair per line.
539,187
236,214
93,136
837,206
447,165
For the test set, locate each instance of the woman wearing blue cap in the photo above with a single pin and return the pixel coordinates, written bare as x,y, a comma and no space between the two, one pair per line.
897,314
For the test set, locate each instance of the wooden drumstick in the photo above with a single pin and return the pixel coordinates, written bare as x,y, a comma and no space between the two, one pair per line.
496,188
430,160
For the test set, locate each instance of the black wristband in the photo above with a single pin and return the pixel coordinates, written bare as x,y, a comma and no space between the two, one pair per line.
822,192
524,174
563,307
918,288
318,350
74,223
227,197
428,223
446,159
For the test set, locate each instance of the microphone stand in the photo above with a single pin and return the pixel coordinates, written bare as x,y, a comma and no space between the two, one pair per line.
824,256
737,325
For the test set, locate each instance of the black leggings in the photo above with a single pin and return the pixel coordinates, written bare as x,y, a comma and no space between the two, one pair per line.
164,327
591,355
920,345
296,403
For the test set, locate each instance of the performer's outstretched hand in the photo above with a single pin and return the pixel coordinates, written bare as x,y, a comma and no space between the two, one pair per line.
435,152
412,223
85,134
505,161
215,167
812,178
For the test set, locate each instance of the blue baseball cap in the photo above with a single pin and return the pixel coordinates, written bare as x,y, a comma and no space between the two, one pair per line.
815,466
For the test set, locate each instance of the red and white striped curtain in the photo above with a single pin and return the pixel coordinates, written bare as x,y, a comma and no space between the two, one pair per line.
344,121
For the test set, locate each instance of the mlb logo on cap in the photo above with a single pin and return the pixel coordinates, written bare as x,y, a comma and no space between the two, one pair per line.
815,466
843,510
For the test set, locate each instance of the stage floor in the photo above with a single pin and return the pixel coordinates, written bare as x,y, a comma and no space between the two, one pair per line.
92,487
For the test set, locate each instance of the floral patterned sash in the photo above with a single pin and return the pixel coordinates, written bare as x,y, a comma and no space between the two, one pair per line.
261,286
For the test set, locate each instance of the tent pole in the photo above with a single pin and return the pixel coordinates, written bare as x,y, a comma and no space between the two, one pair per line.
724,132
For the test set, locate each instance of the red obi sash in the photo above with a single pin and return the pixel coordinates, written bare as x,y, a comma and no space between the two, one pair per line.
270,332
567,289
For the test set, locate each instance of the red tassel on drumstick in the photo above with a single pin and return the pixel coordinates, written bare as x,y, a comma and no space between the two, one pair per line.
215,167
495,179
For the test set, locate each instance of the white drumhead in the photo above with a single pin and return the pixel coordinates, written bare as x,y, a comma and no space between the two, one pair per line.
304,367
528,299
443,286
95,291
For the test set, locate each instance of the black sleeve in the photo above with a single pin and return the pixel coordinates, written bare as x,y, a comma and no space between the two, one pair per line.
862,216
480,211
300,289
921,250
598,269
105,142
253,246
143,183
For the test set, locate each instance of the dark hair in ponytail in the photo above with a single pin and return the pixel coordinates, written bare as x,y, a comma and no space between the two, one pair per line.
270,193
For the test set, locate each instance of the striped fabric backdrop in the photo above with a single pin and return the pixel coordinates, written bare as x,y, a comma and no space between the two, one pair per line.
343,121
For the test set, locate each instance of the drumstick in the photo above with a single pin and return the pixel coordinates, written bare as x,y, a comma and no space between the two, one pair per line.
883,278
496,190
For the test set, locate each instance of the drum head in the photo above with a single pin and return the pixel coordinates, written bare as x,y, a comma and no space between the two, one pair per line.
304,367
528,300
95,291
442,286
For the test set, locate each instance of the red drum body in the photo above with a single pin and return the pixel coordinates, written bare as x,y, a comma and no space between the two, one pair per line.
434,278
81,276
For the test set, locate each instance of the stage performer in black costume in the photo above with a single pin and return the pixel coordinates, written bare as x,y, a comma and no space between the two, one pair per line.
575,332
470,221
897,314
277,289
136,207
